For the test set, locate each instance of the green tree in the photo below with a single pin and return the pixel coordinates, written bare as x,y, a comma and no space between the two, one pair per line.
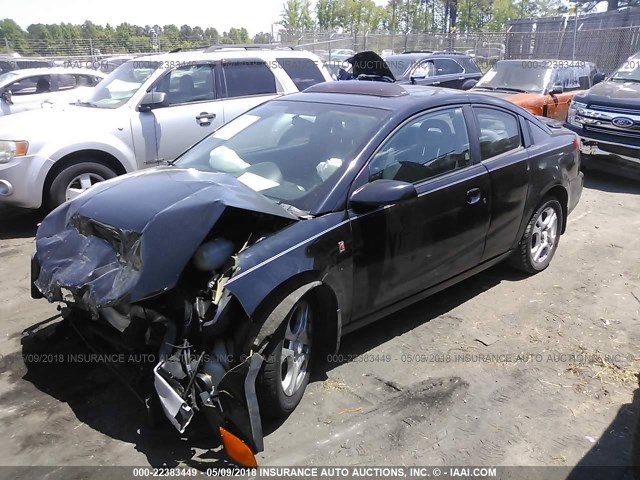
296,16
15,37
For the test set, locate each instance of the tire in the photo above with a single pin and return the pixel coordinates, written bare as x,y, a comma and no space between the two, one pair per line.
532,255
286,370
73,180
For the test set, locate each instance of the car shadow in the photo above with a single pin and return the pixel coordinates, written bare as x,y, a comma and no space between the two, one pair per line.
419,313
608,182
18,222
616,454
99,400
105,405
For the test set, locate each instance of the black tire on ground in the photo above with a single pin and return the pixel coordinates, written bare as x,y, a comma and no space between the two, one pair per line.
57,193
523,257
273,401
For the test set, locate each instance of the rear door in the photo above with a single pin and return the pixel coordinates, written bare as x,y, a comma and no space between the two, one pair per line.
246,83
408,247
449,72
192,111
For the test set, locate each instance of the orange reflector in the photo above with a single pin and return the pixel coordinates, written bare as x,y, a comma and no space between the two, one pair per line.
237,450
21,148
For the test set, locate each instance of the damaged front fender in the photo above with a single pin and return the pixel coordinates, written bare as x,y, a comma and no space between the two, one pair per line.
122,242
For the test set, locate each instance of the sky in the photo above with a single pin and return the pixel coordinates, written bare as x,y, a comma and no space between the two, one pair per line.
255,15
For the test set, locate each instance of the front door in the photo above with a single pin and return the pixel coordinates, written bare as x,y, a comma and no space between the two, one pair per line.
192,110
408,247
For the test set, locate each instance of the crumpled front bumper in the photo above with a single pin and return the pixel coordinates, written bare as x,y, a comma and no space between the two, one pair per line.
231,409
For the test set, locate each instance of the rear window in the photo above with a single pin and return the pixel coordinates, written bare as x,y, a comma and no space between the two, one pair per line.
303,71
248,77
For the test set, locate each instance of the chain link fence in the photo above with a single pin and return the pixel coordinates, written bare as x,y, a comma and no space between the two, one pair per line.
606,39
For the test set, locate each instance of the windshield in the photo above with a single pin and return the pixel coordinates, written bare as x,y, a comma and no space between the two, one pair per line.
120,85
292,152
528,76
629,71
7,77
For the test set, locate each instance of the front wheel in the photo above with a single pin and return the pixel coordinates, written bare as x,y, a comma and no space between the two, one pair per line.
76,179
286,370
540,239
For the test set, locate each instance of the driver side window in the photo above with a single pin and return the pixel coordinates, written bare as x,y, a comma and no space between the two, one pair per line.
31,85
426,69
188,84
428,146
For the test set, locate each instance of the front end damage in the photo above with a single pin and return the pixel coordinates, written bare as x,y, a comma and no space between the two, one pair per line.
142,274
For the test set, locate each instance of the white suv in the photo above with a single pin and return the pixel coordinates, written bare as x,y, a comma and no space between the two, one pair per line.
147,111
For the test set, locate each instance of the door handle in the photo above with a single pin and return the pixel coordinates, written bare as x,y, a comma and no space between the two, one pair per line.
460,78
205,118
435,83
473,196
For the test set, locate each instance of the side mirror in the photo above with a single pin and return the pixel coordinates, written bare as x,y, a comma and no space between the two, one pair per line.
380,193
469,84
6,96
598,77
556,89
418,76
152,100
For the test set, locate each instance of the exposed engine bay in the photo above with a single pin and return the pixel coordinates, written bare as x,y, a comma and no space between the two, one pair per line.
124,289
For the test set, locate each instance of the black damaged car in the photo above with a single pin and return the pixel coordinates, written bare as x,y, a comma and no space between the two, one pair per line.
296,223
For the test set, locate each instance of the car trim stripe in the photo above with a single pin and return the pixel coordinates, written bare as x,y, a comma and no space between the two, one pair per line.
284,252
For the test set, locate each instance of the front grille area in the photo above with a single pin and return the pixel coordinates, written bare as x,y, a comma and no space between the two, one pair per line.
611,131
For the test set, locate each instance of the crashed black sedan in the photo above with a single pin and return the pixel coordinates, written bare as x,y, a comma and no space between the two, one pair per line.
298,222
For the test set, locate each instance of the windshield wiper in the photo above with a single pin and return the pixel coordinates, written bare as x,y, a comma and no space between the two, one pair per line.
509,89
636,80
86,104
485,88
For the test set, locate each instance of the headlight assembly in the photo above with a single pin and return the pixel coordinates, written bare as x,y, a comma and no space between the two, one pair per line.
574,107
10,149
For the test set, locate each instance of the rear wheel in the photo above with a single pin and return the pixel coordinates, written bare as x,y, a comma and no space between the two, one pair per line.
286,369
540,239
76,179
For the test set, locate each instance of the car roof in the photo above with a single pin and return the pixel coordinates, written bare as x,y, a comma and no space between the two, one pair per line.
223,53
414,56
25,72
401,99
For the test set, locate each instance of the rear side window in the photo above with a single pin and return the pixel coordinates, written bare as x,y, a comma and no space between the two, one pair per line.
303,71
499,132
248,77
446,66
66,82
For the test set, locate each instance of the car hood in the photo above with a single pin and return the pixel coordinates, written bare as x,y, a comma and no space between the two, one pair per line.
130,238
57,121
370,64
530,101
619,94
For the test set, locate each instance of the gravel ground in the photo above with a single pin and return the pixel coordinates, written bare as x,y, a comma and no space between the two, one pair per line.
501,369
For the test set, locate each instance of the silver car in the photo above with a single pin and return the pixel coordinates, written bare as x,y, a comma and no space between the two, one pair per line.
146,112
34,88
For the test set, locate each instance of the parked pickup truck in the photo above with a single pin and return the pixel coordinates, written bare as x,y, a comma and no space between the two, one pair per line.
543,87
607,120
146,112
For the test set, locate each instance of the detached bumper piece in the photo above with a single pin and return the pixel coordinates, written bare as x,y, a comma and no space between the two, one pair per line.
231,407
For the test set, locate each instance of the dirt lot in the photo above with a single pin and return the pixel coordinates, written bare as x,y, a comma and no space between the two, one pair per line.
499,370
